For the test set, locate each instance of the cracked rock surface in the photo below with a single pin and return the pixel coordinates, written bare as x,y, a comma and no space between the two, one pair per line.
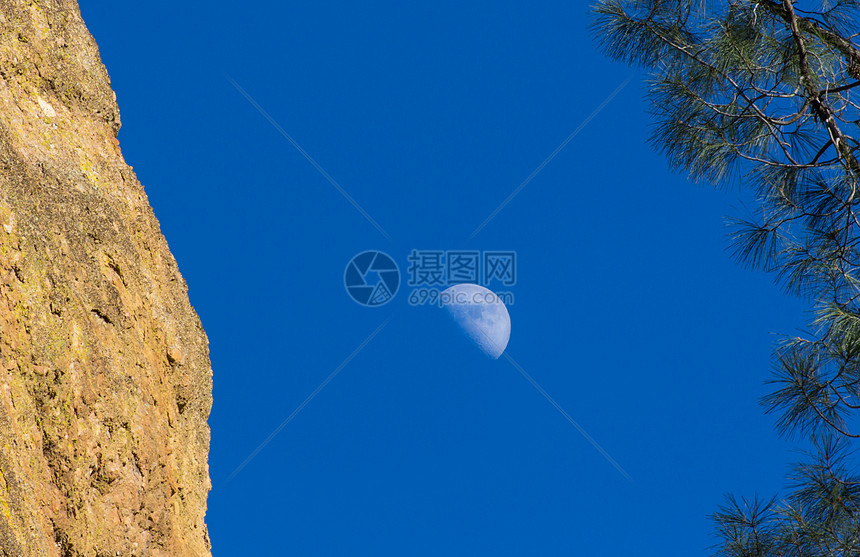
105,380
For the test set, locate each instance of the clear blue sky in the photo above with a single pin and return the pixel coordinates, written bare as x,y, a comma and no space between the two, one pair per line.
628,309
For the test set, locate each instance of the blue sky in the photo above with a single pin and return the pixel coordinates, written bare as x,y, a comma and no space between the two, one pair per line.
628,309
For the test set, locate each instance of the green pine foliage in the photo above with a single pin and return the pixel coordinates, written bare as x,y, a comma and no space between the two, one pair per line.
764,94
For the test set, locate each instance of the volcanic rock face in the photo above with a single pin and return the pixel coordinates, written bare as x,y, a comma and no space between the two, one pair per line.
105,381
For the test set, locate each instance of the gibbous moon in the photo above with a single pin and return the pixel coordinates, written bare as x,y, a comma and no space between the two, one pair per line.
481,315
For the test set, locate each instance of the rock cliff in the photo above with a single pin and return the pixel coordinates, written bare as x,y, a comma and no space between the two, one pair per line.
105,381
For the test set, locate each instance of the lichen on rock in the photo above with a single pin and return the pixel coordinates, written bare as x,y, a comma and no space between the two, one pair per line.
105,380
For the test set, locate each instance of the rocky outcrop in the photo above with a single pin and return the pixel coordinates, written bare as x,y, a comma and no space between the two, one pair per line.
105,381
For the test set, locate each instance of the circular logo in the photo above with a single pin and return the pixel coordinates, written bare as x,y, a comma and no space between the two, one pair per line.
372,278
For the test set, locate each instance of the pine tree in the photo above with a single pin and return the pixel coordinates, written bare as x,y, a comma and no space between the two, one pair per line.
764,94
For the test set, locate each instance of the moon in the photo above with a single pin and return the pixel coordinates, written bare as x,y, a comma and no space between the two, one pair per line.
481,315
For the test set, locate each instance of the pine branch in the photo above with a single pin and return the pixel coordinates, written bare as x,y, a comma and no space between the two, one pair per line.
825,114
806,25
